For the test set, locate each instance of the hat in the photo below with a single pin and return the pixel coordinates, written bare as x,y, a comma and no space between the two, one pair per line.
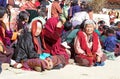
89,22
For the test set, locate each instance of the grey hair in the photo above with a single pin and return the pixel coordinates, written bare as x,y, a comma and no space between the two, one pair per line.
88,21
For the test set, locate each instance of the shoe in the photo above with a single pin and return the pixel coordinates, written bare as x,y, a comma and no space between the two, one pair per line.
99,64
17,65
71,61
38,69
58,66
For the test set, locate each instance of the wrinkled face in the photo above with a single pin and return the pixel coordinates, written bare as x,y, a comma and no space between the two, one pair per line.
89,29
39,29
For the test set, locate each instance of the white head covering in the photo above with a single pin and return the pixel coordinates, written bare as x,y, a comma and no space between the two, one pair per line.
37,18
88,21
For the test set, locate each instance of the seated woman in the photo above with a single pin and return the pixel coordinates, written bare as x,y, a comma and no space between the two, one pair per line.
21,26
29,50
87,46
5,50
29,44
52,39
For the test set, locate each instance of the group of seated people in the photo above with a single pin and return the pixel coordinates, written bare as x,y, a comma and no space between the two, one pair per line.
36,45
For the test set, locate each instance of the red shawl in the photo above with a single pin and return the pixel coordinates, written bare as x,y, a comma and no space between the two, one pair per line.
2,32
52,38
84,46
35,40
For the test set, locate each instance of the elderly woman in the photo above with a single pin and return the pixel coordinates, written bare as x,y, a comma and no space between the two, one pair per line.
87,46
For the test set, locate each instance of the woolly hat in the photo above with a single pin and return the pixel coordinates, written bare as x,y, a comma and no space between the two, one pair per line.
89,22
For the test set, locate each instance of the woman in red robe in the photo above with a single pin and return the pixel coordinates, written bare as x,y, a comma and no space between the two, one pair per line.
51,35
87,46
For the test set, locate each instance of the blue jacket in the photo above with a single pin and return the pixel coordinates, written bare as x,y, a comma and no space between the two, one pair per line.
110,43
75,9
3,3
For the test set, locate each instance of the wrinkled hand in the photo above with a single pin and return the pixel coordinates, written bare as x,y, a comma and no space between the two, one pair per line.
98,59
90,54
20,31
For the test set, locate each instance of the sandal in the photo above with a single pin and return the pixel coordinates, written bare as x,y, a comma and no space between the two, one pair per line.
17,65
38,69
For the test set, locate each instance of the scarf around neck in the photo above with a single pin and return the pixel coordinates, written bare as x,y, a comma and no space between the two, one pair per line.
83,43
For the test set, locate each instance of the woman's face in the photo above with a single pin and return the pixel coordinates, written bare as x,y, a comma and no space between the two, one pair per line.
89,29
27,19
39,29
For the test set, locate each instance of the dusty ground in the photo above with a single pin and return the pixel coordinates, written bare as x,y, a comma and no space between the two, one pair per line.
111,70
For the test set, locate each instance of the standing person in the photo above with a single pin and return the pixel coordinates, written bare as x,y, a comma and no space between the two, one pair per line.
52,38
74,8
64,15
30,5
45,3
87,46
112,15
55,9
11,2
79,17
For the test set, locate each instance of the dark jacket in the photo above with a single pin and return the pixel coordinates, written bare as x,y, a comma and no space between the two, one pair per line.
25,48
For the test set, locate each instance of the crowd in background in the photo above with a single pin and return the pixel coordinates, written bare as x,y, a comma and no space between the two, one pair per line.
46,34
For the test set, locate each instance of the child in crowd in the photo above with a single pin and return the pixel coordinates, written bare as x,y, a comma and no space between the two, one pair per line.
102,35
67,30
110,44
